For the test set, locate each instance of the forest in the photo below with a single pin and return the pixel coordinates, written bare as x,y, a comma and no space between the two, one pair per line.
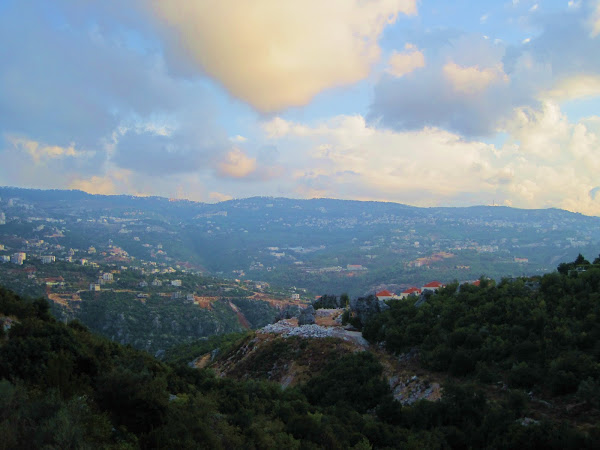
61,386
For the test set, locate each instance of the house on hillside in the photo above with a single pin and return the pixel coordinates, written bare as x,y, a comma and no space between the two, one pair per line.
410,291
107,276
433,286
385,295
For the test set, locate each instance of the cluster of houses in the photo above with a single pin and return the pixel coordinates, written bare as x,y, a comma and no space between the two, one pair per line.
387,295
15,258
432,287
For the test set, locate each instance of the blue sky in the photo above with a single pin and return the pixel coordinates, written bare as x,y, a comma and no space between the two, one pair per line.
420,102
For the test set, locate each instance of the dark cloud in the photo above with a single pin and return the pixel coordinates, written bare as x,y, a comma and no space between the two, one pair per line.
155,154
428,100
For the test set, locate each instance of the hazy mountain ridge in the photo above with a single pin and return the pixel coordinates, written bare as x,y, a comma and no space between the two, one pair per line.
313,244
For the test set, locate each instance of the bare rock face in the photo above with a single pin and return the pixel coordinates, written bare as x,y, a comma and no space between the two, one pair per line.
365,307
307,316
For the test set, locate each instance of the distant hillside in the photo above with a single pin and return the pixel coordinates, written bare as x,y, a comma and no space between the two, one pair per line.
321,245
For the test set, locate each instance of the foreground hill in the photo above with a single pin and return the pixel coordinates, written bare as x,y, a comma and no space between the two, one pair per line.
535,341
63,387
321,245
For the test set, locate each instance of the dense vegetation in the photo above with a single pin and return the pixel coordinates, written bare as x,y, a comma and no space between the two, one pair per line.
158,322
63,387
539,334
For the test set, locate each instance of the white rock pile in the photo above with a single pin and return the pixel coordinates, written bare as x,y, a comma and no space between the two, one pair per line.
287,329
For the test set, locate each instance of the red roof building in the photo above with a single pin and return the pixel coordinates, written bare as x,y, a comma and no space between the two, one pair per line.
433,286
410,291
384,295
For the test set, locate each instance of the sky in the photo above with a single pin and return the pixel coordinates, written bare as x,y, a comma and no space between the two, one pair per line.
427,103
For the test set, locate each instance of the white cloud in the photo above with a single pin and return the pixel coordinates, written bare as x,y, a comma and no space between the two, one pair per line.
274,54
349,159
574,87
236,164
41,152
555,162
546,162
574,4
219,197
472,80
400,64
594,21
103,185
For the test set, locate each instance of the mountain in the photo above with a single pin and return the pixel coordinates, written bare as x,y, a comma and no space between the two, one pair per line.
319,245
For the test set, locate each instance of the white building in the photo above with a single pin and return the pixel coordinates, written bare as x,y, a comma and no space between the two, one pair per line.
17,258
107,276
175,282
48,259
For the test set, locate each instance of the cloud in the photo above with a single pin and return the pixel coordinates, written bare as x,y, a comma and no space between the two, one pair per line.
192,145
68,82
555,161
236,164
275,54
578,86
472,85
594,21
41,152
546,161
86,89
350,159
463,89
95,185
219,197
472,80
400,64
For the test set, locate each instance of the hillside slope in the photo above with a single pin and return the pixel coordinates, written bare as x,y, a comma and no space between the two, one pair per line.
63,387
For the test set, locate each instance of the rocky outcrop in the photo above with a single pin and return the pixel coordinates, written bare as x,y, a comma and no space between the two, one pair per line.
307,316
365,307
